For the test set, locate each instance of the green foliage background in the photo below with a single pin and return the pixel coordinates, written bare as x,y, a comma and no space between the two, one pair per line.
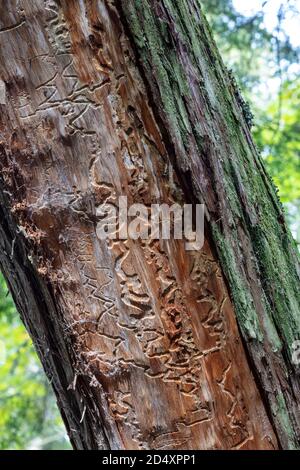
267,68
29,417
261,60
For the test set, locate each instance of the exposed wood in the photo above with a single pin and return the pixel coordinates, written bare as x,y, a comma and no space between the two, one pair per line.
139,338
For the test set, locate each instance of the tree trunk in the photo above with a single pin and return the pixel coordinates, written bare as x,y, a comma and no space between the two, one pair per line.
147,345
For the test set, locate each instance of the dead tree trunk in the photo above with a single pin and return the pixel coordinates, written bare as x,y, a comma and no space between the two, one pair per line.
146,345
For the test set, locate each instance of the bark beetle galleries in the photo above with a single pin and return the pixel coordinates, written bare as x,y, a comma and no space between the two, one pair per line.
139,339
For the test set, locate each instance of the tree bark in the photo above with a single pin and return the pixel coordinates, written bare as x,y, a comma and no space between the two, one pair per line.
147,345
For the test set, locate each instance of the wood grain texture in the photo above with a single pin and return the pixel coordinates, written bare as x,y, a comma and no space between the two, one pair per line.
139,338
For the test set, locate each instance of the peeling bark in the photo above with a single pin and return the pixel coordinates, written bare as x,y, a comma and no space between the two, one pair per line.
140,338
